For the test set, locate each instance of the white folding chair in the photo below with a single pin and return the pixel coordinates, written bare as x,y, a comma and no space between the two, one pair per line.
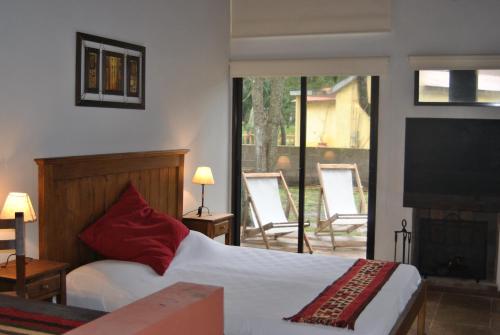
337,198
264,204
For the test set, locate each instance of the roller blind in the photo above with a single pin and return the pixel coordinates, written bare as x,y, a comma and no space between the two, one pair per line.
455,62
310,67
257,18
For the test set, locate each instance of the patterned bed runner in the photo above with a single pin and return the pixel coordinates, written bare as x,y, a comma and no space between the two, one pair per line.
340,304
16,322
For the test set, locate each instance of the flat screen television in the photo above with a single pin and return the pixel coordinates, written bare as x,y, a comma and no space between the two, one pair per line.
452,164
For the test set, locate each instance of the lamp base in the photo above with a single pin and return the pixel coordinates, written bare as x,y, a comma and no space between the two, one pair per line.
200,210
26,260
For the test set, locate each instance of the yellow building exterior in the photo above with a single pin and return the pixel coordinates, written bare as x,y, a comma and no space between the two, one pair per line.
335,117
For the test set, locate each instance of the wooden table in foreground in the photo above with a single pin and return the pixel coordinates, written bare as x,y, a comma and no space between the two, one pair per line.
180,309
44,279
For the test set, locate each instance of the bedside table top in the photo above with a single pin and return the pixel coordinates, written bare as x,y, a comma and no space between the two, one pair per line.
34,268
214,217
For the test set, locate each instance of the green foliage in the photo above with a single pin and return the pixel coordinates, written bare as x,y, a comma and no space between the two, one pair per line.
322,82
247,100
292,92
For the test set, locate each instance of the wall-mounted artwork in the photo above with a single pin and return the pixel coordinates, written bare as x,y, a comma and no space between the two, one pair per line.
109,73
91,70
133,76
112,77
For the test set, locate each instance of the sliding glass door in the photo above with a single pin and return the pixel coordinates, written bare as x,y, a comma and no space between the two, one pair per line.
270,163
302,165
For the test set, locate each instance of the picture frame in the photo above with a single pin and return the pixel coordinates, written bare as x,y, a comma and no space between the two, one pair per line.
133,76
109,73
92,70
113,72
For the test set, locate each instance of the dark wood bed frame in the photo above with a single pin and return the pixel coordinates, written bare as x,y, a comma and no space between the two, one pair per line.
75,191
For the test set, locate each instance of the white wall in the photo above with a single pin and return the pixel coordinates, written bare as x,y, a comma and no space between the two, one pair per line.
425,27
187,50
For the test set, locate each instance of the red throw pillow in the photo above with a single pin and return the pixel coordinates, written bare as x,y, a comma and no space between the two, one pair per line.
132,231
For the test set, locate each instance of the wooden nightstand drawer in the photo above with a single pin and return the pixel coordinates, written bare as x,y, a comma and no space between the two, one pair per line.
221,228
43,280
212,225
44,286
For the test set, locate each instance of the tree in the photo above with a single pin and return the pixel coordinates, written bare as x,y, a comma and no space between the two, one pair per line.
269,110
260,122
363,99
275,120
267,120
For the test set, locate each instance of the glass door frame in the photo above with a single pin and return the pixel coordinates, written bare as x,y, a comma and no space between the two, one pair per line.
237,114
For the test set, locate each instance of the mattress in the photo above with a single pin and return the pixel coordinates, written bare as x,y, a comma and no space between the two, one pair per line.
260,286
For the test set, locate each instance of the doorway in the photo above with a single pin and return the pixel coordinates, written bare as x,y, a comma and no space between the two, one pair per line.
312,141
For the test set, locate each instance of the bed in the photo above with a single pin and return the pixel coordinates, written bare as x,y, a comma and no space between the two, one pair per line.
260,286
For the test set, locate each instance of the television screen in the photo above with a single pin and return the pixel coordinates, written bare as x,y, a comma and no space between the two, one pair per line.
452,164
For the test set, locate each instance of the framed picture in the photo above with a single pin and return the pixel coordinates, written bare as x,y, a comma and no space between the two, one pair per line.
92,61
109,73
112,74
133,76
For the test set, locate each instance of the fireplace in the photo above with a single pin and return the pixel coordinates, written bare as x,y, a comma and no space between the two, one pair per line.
451,166
455,244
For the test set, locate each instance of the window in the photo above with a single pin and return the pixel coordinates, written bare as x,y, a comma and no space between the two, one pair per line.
457,87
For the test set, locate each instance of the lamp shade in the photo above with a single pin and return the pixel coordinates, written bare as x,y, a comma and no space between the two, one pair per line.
283,163
329,155
18,202
203,175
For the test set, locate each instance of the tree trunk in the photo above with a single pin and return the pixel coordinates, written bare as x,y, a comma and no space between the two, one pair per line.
274,120
282,132
260,121
267,122
364,102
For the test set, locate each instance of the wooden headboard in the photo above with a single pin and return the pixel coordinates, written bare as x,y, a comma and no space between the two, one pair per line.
73,192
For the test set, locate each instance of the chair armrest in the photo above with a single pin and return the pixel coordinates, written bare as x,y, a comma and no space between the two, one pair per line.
289,224
352,216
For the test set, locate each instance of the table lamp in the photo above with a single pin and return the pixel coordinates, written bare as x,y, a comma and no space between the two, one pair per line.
18,202
329,155
283,163
203,176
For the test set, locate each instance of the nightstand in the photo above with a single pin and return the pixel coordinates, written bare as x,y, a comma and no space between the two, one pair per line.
44,279
212,225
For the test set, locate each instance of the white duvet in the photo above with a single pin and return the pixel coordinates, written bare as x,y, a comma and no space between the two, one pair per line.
260,286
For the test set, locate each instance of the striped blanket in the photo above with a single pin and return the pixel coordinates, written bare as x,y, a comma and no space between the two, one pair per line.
17,322
340,304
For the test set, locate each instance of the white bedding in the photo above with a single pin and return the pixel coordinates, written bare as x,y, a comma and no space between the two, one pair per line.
260,286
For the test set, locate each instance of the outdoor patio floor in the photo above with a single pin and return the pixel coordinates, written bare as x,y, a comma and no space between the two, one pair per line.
320,244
